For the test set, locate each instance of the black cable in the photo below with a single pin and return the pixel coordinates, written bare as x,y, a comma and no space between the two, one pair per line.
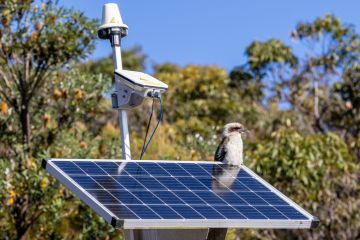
157,125
147,128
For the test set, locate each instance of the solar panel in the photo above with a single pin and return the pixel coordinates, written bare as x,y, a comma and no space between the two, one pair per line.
178,194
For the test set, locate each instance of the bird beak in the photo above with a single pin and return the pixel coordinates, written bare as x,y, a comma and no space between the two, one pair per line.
245,130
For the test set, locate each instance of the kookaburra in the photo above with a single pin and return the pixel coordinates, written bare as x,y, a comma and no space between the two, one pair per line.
230,150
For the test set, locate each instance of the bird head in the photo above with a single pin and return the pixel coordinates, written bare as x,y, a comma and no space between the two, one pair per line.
234,128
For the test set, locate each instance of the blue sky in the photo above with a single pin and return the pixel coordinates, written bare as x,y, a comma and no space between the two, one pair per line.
211,31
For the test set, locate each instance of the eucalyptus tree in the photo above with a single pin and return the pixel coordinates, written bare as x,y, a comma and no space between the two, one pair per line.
38,39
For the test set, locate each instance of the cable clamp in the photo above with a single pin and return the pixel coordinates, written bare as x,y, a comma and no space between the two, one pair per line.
154,94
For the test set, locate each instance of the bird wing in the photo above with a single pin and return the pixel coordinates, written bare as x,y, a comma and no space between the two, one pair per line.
221,151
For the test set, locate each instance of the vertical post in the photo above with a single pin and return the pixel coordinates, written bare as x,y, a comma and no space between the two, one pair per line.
123,119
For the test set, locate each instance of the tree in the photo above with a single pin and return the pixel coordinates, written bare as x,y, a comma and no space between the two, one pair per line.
309,151
36,42
39,92
309,86
196,103
335,48
248,86
344,113
67,124
318,172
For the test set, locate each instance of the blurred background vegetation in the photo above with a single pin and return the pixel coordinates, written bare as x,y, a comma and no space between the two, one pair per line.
303,113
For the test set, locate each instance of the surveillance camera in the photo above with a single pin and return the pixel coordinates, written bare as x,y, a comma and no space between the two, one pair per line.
132,87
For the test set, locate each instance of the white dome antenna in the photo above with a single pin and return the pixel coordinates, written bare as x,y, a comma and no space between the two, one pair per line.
111,22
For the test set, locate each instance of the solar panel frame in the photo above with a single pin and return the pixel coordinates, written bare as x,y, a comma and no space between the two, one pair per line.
159,223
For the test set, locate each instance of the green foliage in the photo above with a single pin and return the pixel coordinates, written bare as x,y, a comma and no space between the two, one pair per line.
317,171
36,42
250,87
336,44
335,54
42,31
314,166
66,125
310,155
38,94
197,87
346,102
307,84
263,54
49,210
197,101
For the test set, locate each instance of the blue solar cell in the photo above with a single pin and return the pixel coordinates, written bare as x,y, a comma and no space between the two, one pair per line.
231,198
208,212
238,186
69,168
270,212
90,168
243,174
272,198
125,197
206,182
86,182
209,197
249,212
154,169
168,197
111,168
252,198
290,212
171,183
143,211
129,182
165,211
175,170
133,168
196,170
104,197
253,184
188,197
147,197
122,212
229,212
192,183
187,212
150,182
209,168
107,182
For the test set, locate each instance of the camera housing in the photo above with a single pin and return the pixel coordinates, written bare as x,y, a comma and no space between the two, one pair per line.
132,87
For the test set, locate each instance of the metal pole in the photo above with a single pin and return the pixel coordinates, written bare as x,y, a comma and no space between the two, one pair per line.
142,234
123,119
